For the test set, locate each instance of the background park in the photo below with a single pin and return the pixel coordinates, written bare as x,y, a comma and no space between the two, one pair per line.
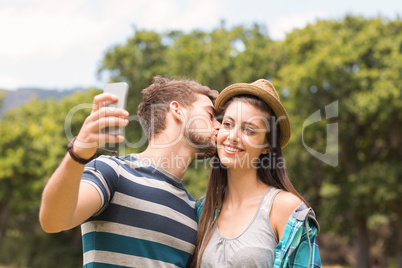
353,61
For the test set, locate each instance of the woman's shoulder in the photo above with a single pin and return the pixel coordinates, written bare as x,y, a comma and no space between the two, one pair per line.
283,206
286,202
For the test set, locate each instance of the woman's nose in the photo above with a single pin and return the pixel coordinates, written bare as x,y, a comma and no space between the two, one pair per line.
234,136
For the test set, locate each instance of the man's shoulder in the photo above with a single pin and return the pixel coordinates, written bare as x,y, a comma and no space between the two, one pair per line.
124,160
111,166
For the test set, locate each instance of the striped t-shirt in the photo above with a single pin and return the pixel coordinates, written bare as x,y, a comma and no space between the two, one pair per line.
147,217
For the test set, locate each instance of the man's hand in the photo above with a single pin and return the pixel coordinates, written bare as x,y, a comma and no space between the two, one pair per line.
90,136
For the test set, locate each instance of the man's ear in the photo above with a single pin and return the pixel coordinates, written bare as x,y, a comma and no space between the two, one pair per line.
176,111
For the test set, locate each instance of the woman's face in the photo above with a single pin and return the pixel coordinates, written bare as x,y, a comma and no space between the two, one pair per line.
242,135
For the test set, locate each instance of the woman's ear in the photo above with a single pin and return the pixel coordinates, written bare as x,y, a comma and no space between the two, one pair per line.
266,150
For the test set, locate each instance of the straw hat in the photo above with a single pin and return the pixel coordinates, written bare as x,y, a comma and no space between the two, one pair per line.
266,92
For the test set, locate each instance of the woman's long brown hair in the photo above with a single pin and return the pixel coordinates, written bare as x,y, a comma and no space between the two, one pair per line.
272,175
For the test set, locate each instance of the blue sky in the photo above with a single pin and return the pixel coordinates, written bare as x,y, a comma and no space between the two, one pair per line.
59,44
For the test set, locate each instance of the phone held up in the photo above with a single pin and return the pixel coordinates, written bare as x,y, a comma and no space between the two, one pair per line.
120,90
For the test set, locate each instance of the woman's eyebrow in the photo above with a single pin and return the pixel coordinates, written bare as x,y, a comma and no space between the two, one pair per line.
251,124
227,117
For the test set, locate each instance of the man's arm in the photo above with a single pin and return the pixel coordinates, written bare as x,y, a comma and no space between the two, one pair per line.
66,201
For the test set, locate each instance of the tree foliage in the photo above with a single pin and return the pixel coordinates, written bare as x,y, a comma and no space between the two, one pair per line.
32,144
356,62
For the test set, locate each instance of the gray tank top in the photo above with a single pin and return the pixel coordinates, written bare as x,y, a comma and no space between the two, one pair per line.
254,247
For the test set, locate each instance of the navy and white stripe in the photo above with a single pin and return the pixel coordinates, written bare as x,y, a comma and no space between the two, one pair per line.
147,218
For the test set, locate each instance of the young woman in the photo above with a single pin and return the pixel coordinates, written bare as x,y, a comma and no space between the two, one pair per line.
251,215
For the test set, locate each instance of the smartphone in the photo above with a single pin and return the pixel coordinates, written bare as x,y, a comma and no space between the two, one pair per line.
119,89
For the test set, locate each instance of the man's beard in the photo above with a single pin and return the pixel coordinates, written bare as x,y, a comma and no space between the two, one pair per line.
206,146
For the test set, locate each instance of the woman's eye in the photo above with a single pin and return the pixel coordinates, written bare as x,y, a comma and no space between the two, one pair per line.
226,124
249,131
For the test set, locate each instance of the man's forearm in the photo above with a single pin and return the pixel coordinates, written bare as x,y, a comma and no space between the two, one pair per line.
60,196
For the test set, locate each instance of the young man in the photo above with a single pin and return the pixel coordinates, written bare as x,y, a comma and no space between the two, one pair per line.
133,212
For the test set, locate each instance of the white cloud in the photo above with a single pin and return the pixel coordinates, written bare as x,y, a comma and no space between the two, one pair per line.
49,27
47,43
60,43
296,20
164,15
8,82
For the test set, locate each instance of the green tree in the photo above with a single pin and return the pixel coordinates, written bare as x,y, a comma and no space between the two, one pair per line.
222,57
357,62
32,144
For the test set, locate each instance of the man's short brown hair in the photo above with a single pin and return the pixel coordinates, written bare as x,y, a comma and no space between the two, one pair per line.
158,96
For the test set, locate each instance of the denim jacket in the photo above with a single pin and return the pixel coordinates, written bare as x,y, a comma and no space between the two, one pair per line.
298,246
